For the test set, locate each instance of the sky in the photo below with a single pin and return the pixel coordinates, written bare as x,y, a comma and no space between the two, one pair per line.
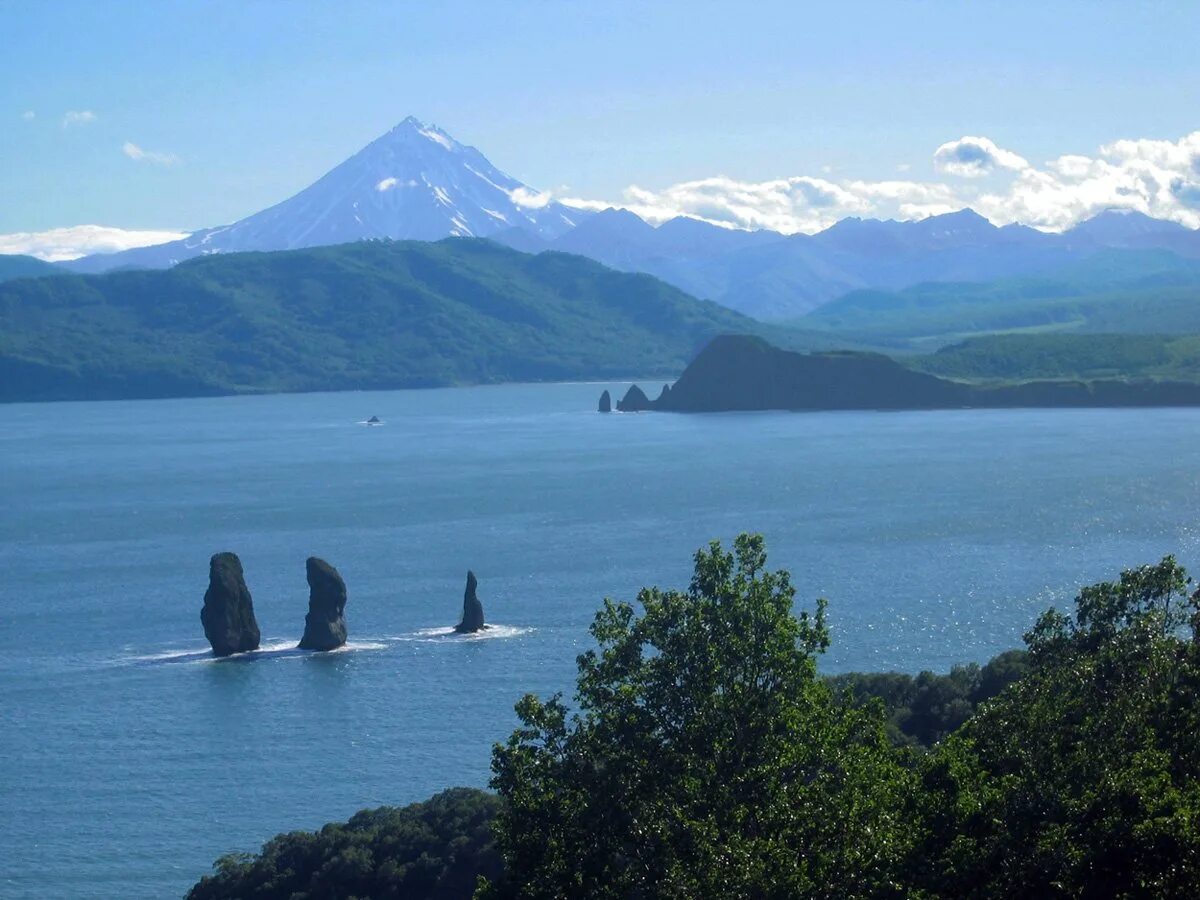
143,121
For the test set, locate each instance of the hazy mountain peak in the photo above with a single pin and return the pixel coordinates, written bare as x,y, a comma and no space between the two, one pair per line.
414,128
615,215
415,182
1116,223
962,217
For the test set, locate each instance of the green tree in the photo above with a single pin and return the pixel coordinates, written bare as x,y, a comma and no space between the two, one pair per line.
704,758
435,850
1082,779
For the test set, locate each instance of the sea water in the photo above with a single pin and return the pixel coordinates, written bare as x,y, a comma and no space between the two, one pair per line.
130,759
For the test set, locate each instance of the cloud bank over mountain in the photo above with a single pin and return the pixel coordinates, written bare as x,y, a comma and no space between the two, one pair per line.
59,244
1160,178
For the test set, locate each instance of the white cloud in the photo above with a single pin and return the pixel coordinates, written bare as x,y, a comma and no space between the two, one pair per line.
59,244
29,115
528,198
137,154
389,183
1157,177
972,157
78,117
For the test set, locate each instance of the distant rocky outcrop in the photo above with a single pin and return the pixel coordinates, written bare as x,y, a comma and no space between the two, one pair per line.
472,618
228,613
605,402
741,372
325,624
635,400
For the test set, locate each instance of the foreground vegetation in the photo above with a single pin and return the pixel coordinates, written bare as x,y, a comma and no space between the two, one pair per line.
703,756
436,849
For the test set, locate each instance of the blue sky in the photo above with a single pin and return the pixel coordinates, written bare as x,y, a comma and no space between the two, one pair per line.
198,113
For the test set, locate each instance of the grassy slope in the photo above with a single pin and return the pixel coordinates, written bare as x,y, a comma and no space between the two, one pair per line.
1084,357
364,315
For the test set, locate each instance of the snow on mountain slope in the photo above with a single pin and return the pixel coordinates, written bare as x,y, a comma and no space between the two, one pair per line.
414,183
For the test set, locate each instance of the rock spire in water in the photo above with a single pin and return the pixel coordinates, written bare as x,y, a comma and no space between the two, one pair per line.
228,613
472,619
605,402
635,400
325,624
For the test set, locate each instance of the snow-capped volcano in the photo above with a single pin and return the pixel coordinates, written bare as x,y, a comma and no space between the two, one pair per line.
415,182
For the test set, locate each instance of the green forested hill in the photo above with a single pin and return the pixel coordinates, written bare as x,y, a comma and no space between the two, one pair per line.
1082,357
18,266
355,316
1115,291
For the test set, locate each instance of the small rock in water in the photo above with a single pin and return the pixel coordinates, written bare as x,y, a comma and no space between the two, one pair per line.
472,619
325,624
635,400
228,613
606,402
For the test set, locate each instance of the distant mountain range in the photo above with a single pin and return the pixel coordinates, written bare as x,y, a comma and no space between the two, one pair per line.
418,183
774,277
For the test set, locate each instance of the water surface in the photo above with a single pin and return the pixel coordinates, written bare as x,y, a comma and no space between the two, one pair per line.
131,759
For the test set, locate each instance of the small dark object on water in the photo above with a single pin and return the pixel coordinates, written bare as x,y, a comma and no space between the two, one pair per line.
472,619
606,402
374,420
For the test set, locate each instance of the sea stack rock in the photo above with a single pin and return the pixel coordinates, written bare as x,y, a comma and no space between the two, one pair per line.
635,400
325,624
606,402
472,619
228,613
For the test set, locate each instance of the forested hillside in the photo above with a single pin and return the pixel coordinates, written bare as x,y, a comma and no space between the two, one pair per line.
355,316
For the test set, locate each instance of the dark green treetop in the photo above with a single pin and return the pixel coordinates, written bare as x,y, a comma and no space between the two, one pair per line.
1082,779
704,758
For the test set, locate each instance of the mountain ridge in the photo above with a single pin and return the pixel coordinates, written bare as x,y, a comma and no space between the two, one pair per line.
417,182
367,315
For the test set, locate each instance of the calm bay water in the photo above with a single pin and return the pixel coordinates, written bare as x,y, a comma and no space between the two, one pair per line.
130,760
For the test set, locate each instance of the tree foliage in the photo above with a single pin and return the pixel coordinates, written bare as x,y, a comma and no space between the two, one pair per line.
1083,778
434,850
704,758
923,710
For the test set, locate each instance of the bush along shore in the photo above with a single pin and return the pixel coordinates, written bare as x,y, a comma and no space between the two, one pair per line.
704,756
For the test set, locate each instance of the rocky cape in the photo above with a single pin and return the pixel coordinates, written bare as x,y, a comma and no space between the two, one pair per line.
744,373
